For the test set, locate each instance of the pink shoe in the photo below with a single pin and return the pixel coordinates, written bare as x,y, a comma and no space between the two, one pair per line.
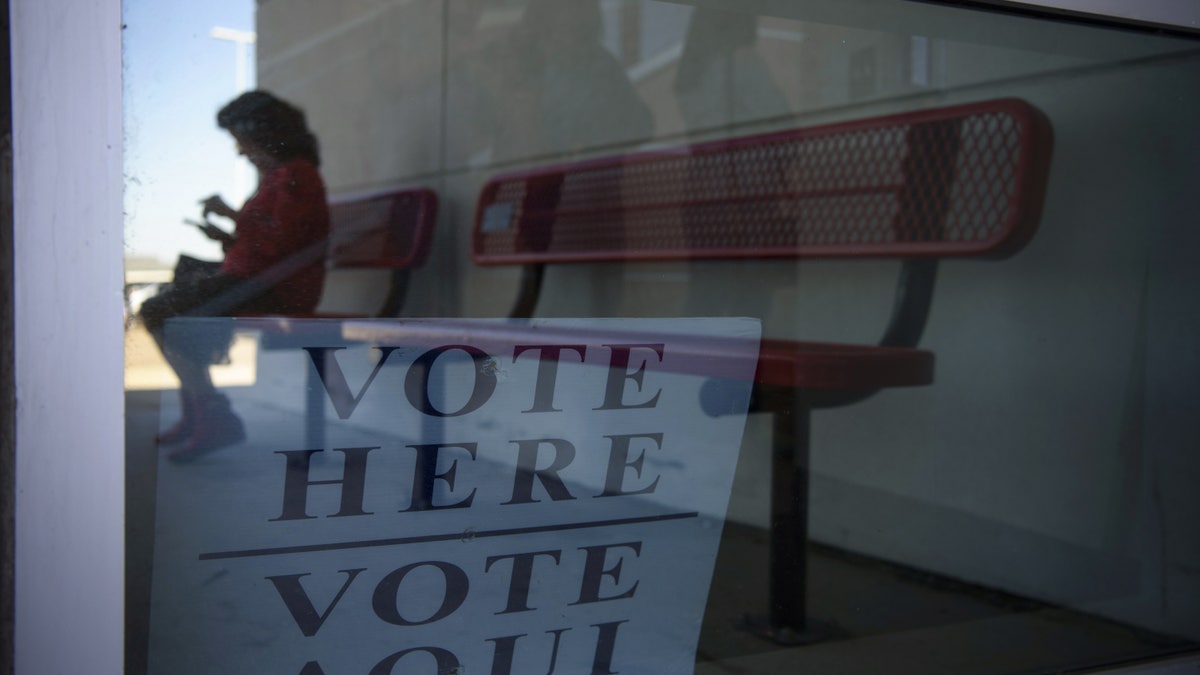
216,426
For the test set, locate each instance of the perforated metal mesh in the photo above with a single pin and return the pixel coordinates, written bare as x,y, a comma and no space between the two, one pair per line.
391,230
942,182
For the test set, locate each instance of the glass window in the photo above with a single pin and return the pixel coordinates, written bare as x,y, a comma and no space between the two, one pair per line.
646,336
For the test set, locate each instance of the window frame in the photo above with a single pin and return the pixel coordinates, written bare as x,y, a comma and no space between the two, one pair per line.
68,258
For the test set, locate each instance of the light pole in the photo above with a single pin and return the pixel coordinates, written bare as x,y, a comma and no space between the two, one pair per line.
242,39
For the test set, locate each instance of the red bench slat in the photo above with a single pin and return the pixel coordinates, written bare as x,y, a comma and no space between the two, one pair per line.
957,181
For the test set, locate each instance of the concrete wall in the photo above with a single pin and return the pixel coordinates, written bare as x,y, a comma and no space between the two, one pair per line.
1053,456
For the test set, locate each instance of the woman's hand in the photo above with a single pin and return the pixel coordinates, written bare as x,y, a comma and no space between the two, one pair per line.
215,204
211,231
216,234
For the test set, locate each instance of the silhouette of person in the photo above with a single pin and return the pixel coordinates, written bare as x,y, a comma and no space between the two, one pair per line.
273,264
563,90
722,79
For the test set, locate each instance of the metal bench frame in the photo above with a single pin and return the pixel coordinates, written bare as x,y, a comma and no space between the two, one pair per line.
960,181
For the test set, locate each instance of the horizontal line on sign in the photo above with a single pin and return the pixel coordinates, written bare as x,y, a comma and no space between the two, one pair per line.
465,536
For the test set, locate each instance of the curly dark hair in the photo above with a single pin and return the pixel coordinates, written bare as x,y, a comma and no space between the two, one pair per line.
275,125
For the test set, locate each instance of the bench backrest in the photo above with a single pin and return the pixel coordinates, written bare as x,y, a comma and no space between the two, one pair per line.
374,241
958,181
393,229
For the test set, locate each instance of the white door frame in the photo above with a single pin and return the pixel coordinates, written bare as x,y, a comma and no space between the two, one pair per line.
68,253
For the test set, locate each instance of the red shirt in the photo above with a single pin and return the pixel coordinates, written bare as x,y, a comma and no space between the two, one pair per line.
284,226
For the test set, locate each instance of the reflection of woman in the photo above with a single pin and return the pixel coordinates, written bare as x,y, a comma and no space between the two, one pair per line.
722,78
273,263
564,91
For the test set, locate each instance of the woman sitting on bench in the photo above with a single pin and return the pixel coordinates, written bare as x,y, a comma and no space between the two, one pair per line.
274,264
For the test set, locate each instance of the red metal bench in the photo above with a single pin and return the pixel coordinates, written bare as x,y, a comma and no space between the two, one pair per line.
958,181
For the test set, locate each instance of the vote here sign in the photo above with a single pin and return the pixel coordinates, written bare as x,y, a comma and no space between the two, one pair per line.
487,497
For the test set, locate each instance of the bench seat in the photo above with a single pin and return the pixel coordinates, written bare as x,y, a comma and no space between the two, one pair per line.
825,365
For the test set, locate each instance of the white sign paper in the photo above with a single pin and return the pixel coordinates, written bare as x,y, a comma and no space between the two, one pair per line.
566,519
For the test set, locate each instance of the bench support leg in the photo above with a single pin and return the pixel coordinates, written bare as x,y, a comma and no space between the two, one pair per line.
787,621
789,519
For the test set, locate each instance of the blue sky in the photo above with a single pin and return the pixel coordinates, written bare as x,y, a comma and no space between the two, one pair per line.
176,78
